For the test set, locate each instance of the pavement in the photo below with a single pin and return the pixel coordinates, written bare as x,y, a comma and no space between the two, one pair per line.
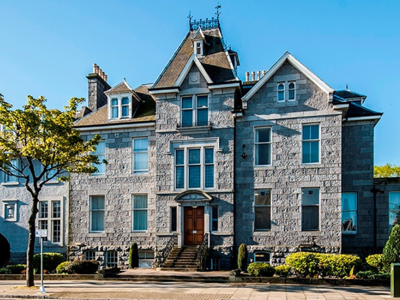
105,289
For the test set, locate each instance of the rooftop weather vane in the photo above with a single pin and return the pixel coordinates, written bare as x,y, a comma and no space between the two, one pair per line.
218,12
190,16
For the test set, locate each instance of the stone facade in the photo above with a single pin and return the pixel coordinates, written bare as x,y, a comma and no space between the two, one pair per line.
14,227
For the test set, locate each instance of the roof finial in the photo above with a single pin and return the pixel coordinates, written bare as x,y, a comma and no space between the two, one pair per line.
190,19
347,86
218,12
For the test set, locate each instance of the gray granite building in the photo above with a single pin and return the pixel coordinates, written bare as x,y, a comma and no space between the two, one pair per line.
281,162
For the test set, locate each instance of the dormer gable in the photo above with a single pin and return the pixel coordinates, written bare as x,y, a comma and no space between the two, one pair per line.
199,41
122,101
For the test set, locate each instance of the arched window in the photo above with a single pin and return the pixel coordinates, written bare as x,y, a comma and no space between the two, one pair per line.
281,91
291,90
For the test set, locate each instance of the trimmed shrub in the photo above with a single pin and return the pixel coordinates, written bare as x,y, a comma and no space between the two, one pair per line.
304,263
133,256
375,261
260,269
321,264
372,275
339,265
50,261
391,251
62,268
4,251
16,269
82,267
282,270
242,257
5,270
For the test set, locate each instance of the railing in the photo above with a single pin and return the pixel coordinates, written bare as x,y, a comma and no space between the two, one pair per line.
202,252
164,253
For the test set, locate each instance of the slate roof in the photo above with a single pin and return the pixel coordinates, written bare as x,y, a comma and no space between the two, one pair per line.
346,94
354,109
144,113
215,61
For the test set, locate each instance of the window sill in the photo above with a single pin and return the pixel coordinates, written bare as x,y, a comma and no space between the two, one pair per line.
262,232
260,167
51,182
10,220
10,183
194,129
221,233
311,165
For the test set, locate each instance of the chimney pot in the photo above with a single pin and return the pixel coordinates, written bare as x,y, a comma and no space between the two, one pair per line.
264,72
253,76
247,76
258,75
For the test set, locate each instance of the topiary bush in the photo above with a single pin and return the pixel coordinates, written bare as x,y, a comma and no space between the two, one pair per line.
375,262
391,251
4,251
242,257
62,268
133,256
282,270
50,261
260,269
82,267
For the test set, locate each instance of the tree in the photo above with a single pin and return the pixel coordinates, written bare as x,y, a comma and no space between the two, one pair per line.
133,256
388,170
242,257
36,135
391,251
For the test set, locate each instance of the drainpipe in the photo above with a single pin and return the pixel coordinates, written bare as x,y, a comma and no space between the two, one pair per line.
234,190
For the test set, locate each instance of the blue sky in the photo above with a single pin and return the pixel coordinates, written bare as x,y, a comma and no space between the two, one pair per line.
48,47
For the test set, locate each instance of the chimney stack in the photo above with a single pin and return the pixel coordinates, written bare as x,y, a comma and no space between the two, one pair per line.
97,82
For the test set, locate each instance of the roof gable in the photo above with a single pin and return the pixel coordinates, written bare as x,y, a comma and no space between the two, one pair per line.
122,88
192,60
299,66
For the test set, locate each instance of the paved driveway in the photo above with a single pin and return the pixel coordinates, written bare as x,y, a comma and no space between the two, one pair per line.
188,291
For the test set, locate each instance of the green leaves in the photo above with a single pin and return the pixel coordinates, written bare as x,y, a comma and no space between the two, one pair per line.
388,170
36,133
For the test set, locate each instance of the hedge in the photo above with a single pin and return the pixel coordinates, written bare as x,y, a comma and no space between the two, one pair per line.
260,269
82,267
50,261
320,264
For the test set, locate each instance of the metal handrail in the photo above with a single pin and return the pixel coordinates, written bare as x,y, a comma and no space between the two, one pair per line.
164,253
202,251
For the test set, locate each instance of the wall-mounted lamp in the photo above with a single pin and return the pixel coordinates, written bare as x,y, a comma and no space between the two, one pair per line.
244,155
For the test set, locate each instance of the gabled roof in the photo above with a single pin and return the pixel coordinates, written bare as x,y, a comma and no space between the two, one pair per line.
122,88
144,113
215,62
198,35
299,66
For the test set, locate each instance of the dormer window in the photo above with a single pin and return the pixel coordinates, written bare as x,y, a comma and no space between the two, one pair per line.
198,48
120,106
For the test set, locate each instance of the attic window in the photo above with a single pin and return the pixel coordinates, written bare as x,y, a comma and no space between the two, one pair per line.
198,48
119,106
286,91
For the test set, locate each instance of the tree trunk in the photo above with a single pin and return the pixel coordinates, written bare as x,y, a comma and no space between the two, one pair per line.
31,242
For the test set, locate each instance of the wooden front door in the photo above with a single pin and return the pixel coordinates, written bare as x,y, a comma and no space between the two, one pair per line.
194,225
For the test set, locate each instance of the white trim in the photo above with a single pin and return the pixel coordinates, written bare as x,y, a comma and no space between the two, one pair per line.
340,106
222,86
109,126
50,218
186,69
10,202
299,66
164,91
362,118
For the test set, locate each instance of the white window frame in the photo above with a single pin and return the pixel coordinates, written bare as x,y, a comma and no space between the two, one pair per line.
12,179
10,205
257,145
146,209
286,91
50,219
111,259
306,190
186,166
268,191
101,156
195,109
198,45
119,98
91,210
134,152
350,196
318,140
